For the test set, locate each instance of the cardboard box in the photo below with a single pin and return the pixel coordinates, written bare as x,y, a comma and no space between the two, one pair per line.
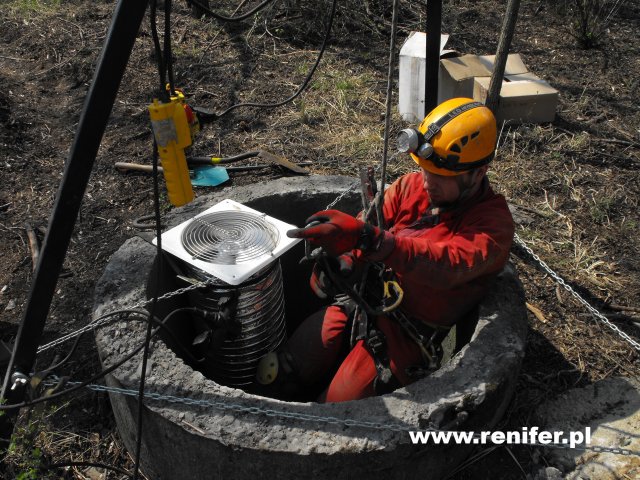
527,99
412,71
457,74
524,96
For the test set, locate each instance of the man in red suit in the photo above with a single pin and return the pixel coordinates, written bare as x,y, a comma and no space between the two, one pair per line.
448,235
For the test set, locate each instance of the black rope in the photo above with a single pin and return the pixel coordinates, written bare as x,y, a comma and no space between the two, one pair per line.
154,301
168,56
210,13
157,49
304,83
387,119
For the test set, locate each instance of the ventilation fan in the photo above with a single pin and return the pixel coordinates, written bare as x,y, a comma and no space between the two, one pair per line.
229,241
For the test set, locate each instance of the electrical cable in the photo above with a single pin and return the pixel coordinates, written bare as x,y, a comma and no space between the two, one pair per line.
157,49
168,55
387,119
182,346
62,393
65,359
50,370
154,302
209,115
144,314
210,13
90,326
95,377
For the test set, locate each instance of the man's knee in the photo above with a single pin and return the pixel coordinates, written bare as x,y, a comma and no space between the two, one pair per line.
334,323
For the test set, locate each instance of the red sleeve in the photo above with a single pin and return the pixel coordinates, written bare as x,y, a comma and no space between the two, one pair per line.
392,198
452,253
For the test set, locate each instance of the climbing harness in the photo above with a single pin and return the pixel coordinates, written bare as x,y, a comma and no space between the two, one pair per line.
380,293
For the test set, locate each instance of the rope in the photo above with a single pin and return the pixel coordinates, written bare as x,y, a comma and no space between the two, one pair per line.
304,83
575,294
223,405
387,118
224,18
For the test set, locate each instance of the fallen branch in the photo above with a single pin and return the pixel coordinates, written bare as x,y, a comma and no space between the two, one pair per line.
623,308
34,245
536,312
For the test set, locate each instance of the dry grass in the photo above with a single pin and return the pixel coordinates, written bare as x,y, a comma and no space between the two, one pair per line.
580,189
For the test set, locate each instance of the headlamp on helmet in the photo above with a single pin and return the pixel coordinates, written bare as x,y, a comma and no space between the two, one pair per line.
411,140
457,136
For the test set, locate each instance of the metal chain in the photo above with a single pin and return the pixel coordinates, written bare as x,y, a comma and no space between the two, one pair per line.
355,185
224,406
577,296
341,196
592,448
102,321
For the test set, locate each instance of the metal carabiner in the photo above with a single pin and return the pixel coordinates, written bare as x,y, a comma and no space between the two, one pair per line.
387,295
309,254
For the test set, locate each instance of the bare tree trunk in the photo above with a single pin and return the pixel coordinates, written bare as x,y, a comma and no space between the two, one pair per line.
504,43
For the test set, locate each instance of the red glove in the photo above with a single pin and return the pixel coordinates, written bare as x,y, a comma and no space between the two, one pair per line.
337,232
344,266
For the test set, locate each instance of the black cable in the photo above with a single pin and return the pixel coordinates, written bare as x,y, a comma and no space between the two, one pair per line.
168,55
76,387
51,466
142,224
154,301
176,340
117,312
157,48
210,13
65,359
143,317
97,376
306,80
51,368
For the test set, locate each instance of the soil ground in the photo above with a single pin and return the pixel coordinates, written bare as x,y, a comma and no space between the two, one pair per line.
576,181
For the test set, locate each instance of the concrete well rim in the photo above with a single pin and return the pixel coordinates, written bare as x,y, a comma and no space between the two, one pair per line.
430,402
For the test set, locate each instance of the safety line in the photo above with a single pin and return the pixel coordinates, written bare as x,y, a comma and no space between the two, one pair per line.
330,420
576,295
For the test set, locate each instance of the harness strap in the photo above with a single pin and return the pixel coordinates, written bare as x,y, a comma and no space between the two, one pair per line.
385,381
429,339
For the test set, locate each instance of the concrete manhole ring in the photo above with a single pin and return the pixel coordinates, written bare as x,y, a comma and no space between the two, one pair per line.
227,433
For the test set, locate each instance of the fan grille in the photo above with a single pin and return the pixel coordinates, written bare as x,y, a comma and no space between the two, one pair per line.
229,237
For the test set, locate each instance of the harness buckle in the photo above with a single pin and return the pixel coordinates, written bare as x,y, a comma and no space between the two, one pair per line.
376,342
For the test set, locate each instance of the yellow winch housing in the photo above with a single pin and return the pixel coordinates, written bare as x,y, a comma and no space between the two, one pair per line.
173,134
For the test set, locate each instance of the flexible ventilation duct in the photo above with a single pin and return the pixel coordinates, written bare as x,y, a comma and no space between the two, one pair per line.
260,313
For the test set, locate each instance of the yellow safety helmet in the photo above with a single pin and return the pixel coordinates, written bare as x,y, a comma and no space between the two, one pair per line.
457,136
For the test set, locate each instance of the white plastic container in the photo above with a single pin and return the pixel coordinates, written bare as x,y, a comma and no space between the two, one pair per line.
412,74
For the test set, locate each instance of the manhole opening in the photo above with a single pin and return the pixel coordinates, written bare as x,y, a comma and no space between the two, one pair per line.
199,346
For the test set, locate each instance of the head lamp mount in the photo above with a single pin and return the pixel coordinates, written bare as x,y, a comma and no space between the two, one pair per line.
413,141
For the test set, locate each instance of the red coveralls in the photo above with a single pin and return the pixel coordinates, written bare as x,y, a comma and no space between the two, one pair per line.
444,264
